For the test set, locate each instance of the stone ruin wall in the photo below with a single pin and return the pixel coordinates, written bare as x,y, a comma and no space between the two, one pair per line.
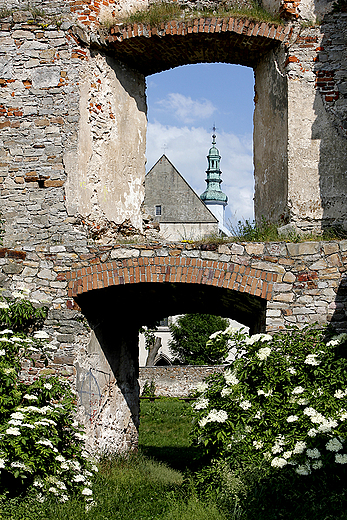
72,164
310,287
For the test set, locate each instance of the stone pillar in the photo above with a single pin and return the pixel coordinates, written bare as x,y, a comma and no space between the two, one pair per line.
270,139
107,384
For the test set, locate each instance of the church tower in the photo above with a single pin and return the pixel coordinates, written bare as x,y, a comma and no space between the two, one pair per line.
213,197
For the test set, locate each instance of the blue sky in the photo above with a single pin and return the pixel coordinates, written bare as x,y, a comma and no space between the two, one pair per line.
183,105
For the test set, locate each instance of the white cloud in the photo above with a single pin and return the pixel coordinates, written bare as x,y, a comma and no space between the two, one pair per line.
187,148
186,109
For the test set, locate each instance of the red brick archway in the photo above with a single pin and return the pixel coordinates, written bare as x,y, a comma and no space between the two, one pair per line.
171,44
166,269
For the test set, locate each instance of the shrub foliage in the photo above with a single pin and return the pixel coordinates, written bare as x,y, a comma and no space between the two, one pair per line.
281,406
190,339
41,445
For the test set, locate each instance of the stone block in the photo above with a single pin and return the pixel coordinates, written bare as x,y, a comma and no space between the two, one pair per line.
12,268
330,247
46,274
45,77
265,266
321,264
28,272
223,249
284,297
282,287
276,249
255,248
289,277
124,253
237,249
23,35
303,248
334,260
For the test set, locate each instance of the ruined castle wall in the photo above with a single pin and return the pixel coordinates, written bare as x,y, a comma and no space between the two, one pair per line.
316,68
270,139
73,126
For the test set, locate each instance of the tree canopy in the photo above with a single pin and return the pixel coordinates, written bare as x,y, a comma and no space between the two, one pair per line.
189,336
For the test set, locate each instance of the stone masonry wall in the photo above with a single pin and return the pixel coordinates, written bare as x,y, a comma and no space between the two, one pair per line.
62,109
176,381
310,286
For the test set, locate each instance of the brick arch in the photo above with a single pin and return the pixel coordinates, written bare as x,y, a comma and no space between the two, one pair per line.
174,43
168,269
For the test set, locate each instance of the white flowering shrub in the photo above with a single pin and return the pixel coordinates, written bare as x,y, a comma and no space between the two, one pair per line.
283,404
41,446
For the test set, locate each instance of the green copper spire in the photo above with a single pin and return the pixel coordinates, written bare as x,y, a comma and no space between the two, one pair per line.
213,192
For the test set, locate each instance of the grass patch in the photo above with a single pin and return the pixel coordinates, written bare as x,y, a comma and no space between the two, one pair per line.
268,232
149,485
164,433
160,12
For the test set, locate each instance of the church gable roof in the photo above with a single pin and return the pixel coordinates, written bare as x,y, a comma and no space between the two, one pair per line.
165,187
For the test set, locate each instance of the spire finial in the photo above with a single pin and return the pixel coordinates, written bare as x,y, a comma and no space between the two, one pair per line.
214,134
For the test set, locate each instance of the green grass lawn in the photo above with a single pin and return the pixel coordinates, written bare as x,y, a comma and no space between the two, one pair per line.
150,485
164,433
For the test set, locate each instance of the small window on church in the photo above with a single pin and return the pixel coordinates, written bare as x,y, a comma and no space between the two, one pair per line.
157,211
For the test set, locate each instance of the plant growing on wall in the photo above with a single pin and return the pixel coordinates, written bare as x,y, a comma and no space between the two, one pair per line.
41,445
190,335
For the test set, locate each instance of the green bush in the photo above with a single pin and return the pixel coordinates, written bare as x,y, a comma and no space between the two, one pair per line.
279,410
190,335
41,445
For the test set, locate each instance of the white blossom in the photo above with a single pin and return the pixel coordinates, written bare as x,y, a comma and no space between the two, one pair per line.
87,492
276,448
4,305
201,404
12,431
299,447
292,418
334,445
219,416
79,478
341,458
313,454
53,490
200,387
291,370
2,352
278,462
6,331
311,359
230,377
258,444
298,390
17,415
263,353
339,394
245,404
312,432
317,464
287,454
30,397
303,470
226,391
15,422
302,401
48,386
45,442
2,463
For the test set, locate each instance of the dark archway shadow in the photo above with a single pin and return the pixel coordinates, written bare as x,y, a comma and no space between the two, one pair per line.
116,313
